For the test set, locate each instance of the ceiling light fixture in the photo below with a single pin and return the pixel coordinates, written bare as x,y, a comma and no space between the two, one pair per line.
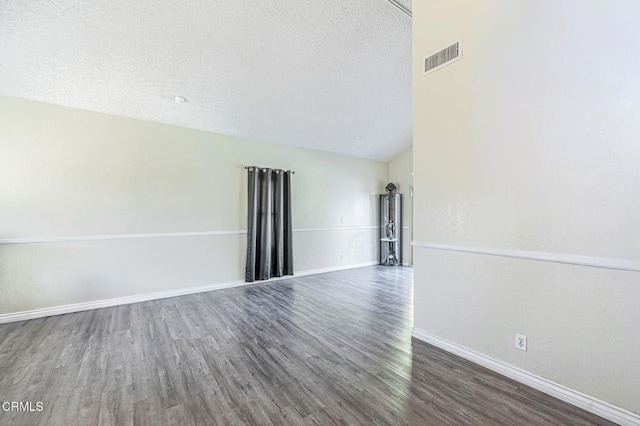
357,138
180,99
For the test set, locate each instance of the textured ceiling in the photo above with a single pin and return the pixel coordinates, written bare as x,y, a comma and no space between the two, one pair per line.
317,74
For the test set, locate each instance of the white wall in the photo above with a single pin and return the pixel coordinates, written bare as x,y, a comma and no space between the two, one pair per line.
67,172
401,173
529,144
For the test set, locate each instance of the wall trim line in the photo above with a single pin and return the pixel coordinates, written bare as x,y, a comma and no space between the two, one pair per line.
569,259
341,228
107,237
563,393
76,238
136,298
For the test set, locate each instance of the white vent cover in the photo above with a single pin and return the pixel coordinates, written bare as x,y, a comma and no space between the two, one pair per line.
442,57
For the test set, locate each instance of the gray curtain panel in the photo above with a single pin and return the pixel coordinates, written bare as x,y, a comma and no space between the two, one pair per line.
269,233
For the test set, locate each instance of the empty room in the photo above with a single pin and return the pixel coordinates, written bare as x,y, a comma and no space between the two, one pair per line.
279,212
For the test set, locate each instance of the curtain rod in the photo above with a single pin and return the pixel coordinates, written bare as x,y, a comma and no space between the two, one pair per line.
256,167
401,7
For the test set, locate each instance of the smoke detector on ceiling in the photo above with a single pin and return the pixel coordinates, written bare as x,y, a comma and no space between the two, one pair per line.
180,99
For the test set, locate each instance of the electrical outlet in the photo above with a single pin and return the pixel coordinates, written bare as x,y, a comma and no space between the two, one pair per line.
521,342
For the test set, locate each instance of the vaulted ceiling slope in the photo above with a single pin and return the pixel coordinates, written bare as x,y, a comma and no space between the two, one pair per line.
331,75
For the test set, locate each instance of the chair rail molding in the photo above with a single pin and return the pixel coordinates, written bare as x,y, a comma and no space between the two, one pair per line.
569,259
105,237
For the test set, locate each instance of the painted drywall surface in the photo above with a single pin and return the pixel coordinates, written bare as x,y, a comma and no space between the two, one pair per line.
581,323
401,173
67,172
530,143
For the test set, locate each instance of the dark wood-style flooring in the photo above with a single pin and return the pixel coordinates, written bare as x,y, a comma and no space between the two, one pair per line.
326,349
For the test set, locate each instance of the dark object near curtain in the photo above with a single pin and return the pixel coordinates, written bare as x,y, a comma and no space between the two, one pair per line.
269,233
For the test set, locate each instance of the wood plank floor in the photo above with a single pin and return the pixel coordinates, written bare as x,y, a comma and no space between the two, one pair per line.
326,349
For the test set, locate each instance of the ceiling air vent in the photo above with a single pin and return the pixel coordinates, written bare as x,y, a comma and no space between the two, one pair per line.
442,57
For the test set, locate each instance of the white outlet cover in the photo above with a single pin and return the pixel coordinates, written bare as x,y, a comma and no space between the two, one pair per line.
521,342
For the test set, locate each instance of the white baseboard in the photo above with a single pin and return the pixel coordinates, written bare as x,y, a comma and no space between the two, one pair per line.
333,269
106,303
563,393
